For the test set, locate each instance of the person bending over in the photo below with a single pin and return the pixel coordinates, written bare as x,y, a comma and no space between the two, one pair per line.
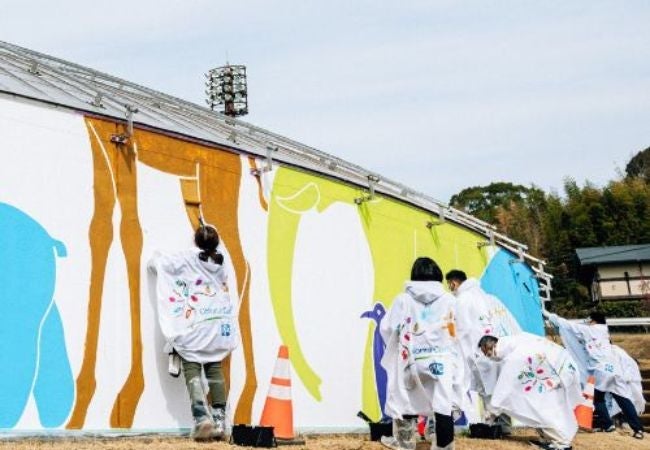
590,344
538,385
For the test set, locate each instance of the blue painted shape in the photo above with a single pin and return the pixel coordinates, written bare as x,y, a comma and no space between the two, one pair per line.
54,387
377,314
514,283
27,278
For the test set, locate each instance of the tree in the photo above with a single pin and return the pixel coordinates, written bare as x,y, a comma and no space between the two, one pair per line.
553,226
639,165
522,220
484,201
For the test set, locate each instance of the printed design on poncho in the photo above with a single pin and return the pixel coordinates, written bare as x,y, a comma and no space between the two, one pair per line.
538,375
194,299
595,347
405,353
492,322
415,347
569,366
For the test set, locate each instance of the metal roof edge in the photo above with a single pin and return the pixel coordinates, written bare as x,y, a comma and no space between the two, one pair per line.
205,125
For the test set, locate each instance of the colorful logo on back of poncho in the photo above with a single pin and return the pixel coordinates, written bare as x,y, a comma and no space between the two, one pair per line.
538,375
187,296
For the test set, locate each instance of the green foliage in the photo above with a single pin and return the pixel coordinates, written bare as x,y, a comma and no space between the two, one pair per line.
483,201
639,165
622,309
572,309
553,226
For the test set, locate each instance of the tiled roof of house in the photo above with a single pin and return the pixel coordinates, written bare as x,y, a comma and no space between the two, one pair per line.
614,254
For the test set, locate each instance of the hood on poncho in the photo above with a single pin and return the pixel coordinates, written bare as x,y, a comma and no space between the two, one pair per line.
466,285
425,292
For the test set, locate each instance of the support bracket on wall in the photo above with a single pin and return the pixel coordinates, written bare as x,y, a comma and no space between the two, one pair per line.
442,211
373,180
520,256
489,243
123,138
270,149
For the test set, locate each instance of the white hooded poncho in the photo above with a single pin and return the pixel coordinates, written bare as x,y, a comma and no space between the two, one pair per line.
195,311
421,358
479,314
590,347
538,384
631,375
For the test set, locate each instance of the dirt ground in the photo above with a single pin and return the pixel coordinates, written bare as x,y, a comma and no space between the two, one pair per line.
637,345
584,441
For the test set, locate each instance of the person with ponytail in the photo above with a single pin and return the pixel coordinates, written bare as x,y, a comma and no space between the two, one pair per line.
199,322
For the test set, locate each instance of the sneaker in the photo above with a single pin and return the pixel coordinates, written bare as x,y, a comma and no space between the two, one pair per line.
202,430
638,434
548,445
604,430
394,444
219,426
539,444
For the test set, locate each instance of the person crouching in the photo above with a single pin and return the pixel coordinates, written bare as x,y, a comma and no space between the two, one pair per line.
538,385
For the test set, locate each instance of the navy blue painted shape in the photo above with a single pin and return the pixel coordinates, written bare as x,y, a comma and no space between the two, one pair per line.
377,313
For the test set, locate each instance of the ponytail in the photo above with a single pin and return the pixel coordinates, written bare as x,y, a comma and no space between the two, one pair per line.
207,239
216,257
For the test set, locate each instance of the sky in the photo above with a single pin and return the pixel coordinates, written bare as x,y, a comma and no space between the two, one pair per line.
438,95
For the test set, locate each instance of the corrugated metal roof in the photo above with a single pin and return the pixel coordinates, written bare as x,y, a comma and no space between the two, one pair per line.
32,75
615,254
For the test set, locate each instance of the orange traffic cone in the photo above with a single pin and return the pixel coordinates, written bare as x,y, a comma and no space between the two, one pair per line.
585,411
278,410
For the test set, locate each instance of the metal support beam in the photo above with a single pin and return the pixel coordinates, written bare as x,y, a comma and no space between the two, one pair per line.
270,149
124,138
373,180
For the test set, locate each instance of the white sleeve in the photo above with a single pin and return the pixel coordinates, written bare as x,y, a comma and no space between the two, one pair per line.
577,329
393,318
464,321
152,263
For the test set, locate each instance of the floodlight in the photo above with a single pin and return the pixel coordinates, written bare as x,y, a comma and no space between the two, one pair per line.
227,90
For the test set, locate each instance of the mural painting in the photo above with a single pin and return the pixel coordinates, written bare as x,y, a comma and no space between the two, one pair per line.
309,256
31,335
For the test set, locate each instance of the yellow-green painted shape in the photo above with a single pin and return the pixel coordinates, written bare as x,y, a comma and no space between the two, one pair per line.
396,232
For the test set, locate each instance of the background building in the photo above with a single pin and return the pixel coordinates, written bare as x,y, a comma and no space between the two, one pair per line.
616,273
